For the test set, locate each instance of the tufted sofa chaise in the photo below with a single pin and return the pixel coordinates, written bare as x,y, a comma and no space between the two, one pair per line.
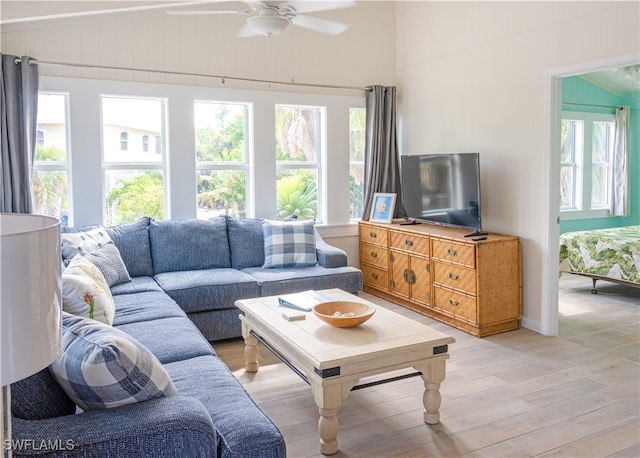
185,277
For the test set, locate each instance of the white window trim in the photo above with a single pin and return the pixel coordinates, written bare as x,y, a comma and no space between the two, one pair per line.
85,129
583,176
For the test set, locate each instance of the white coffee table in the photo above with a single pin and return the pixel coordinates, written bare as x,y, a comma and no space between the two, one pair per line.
332,360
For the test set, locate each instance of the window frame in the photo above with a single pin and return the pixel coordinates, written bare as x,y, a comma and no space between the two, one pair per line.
141,166
59,166
582,207
245,165
319,165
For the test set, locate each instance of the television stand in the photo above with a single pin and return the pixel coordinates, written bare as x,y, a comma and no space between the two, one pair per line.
476,234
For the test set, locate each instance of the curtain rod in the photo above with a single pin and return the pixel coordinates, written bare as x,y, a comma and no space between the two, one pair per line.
169,72
590,105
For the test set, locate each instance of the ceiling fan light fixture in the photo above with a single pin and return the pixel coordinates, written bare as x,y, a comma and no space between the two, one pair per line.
268,25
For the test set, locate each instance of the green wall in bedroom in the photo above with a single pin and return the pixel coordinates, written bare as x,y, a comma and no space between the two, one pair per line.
577,90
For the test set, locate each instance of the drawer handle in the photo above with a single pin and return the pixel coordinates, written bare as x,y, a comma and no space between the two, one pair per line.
373,235
391,258
452,252
427,267
392,283
408,242
374,276
374,254
409,276
455,303
453,276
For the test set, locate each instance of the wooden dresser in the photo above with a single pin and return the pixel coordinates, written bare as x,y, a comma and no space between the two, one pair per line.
435,270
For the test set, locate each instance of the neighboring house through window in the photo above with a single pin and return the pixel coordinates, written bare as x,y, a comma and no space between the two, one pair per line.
134,181
357,119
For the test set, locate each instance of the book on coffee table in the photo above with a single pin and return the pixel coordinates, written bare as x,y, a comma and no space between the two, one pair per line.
304,300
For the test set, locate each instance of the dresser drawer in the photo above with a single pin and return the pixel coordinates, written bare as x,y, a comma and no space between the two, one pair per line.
456,277
373,234
458,253
455,303
409,242
375,277
374,254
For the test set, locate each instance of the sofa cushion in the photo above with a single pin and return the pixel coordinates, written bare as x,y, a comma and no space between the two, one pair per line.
189,245
102,367
39,397
85,292
235,415
246,242
169,339
211,289
289,244
110,263
74,243
291,280
132,240
136,285
146,306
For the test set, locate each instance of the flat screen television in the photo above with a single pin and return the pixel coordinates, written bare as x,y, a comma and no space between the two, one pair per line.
442,189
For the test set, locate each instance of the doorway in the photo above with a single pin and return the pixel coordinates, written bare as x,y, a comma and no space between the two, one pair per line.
553,96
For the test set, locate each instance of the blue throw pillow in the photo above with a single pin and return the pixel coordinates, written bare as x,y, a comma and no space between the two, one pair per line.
289,244
102,367
110,263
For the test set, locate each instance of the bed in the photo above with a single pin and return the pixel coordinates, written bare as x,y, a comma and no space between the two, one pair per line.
603,254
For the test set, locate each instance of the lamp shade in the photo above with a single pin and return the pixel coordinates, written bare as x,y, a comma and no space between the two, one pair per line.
268,25
30,316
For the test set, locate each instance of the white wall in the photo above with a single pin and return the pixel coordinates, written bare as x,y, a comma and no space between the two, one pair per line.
208,45
471,77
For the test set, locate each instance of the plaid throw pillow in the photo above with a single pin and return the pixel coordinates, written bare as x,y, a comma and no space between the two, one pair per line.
289,244
102,367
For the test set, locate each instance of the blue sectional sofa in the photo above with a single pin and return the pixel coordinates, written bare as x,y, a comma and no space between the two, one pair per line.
185,278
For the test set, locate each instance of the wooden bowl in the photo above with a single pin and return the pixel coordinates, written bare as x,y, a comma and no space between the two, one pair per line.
357,313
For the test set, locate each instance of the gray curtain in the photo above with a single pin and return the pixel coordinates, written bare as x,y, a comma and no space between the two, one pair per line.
381,159
18,113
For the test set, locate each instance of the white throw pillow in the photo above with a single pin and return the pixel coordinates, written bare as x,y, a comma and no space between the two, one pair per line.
86,293
102,367
73,243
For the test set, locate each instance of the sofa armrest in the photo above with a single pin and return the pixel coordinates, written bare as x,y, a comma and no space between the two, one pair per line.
165,427
328,255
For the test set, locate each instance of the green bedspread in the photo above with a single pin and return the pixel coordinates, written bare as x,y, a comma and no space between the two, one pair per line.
611,253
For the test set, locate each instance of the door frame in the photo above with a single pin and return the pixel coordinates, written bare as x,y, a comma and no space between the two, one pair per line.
553,111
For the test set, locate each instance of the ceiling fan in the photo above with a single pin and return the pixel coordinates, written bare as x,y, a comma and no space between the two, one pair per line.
273,17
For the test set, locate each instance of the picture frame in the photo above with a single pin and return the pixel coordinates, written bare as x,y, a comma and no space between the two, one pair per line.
382,207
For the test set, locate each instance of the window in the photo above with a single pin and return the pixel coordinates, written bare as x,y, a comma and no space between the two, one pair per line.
124,141
145,143
357,119
585,164
134,180
222,165
51,166
300,143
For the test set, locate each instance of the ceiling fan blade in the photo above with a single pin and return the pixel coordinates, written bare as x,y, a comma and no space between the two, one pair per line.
225,7
303,6
246,32
319,24
202,12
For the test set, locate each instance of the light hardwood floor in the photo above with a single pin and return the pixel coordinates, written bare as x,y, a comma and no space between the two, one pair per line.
516,394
